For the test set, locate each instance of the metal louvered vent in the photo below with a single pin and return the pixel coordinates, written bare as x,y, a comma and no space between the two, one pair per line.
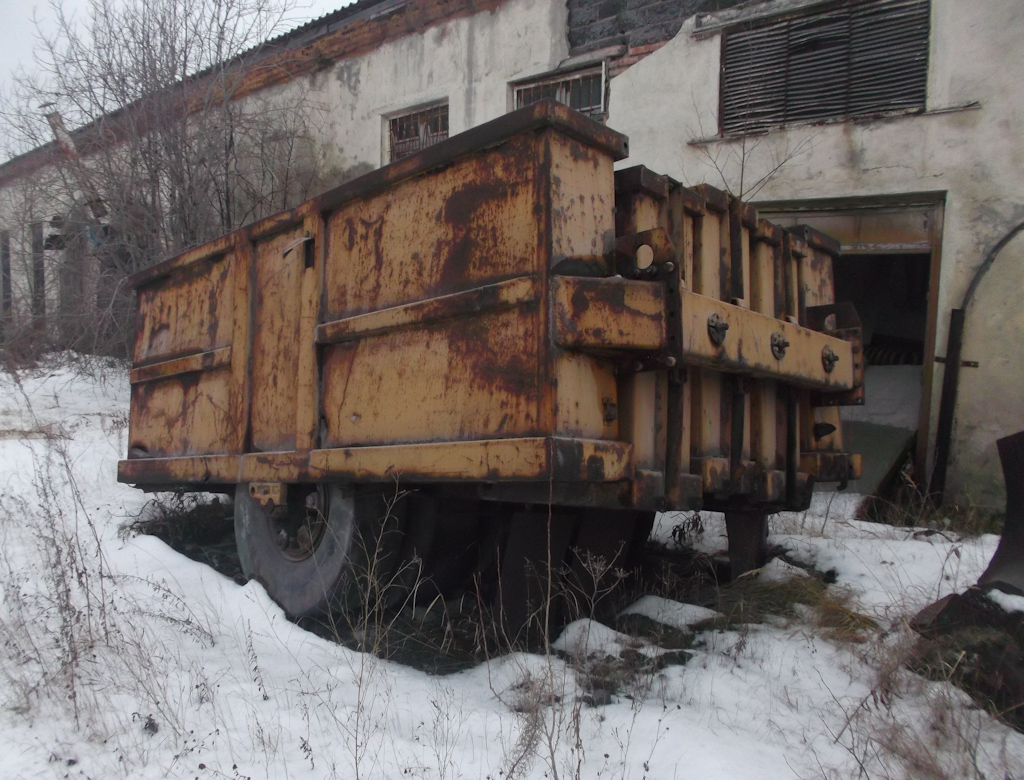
862,57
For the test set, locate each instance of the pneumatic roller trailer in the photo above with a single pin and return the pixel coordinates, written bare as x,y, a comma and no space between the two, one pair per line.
488,357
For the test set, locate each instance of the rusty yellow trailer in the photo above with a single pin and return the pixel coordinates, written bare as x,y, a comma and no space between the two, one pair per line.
498,323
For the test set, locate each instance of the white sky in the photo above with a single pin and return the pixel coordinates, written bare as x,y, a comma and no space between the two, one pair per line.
18,33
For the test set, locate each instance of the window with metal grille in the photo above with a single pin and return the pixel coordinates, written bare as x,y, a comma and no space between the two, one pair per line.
582,90
860,57
411,132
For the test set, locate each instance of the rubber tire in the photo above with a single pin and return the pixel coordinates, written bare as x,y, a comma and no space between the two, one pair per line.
301,588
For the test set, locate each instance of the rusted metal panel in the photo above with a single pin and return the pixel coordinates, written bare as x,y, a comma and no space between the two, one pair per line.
535,458
471,378
537,117
240,387
501,459
201,361
832,466
174,266
181,391
467,226
816,280
650,410
490,297
640,178
821,429
274,467
307,405
654,246
706,386
638,417
196,471
455,317
763,404
581,184
277,339
190,313
587,400
606,314
186,414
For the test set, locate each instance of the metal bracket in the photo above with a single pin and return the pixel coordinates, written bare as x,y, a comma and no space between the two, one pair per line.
963,363
270,494
842,321
639,254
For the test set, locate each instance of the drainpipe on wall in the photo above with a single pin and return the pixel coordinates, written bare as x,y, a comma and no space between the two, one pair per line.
951,376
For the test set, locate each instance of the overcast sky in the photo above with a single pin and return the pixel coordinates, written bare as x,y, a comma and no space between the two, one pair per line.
18,33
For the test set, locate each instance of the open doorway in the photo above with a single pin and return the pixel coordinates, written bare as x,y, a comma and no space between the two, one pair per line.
889,270
890,293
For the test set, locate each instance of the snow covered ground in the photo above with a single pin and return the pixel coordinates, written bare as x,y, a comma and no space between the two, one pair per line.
121,658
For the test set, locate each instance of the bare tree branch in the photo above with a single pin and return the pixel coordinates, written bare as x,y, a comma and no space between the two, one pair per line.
175,158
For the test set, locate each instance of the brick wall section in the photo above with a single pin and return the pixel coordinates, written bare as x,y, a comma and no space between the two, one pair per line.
640,25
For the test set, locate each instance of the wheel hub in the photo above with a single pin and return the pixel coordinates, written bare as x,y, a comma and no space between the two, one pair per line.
299,525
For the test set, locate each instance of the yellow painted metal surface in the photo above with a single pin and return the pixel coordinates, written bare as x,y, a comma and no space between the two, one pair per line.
470,224
459,379
587,397
747,346
503,459
596,314
180,403
276,341
196,470
190,313
200,361
500,295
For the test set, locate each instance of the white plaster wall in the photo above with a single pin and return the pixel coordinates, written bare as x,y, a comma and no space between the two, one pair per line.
467,62
975,155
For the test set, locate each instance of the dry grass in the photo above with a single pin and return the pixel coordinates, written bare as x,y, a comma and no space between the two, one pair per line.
754,599
908,507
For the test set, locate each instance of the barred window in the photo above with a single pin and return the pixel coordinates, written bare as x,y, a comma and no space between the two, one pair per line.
417,130
582,90
859,57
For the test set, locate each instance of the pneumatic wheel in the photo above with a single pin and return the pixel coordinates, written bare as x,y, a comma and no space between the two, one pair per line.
316,554
299,552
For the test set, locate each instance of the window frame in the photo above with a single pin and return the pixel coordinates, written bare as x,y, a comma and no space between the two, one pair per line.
567,76
421,112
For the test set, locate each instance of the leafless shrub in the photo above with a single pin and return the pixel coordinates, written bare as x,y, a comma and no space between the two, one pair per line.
744,165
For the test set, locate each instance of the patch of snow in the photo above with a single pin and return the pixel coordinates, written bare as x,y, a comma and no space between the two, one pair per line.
590,639
1008,601
777,570
670,613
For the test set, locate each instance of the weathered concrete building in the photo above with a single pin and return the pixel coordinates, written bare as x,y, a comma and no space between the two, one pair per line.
890,124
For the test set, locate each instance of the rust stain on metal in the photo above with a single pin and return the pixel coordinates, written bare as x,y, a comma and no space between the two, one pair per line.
597,314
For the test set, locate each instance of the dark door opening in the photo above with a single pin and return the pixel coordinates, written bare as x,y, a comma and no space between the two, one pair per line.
890,292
